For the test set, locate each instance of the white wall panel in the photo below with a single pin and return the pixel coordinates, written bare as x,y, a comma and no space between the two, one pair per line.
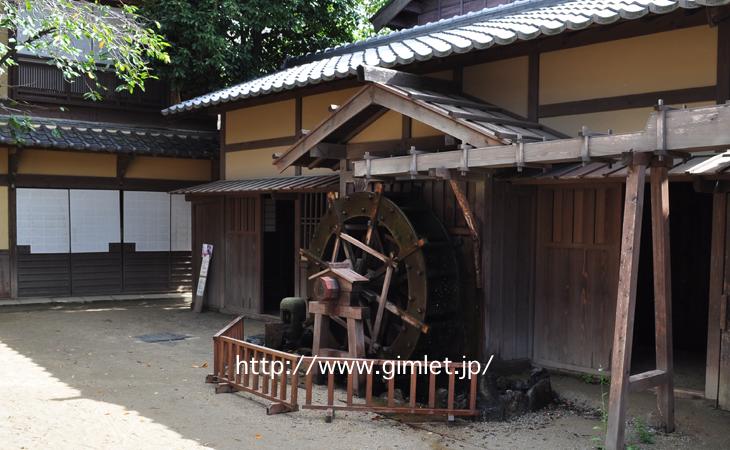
147,220
181,224
43,220
94,220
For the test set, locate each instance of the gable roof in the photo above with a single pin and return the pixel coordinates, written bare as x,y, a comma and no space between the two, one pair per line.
65,134
471,121
502,25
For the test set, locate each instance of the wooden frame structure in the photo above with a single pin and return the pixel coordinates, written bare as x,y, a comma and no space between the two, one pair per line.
282,388
668,133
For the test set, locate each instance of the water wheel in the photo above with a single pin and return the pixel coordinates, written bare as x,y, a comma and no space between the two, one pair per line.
409,261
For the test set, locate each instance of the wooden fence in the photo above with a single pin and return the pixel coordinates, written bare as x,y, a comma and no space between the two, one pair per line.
233,359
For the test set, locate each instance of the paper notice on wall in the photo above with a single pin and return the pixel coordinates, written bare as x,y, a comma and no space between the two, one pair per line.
206,255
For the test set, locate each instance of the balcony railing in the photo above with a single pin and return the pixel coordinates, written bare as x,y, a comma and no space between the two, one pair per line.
35,81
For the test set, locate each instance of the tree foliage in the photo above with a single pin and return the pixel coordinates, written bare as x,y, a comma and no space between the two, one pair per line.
221,42
80,38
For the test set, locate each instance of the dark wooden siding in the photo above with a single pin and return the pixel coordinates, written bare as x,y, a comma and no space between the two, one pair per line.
208,228
579,232
4,274
96,273
146,271
41,275
181,271
510,243
243,255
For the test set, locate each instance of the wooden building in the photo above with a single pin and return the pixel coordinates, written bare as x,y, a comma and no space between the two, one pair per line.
524,109
85,207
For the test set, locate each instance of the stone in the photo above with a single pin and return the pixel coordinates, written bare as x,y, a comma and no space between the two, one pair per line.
540,395
274,335
537,374
488,390
515,403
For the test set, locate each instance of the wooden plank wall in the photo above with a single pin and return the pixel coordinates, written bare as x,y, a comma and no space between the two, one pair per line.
497,318
208,228
439,197
717,382
510,277
243,262
579,232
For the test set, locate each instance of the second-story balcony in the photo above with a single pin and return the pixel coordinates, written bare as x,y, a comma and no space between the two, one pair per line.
36,81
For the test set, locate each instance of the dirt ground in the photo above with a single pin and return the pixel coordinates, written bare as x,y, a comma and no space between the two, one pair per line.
78,377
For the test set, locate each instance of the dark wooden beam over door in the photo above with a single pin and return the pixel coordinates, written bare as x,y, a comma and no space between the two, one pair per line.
625,305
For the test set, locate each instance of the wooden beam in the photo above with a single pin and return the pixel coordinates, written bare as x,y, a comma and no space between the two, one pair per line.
477,117
717,280
387,13
472,224
357,103
433,116
261,143
533,87
222,148
454,101
647,380
688,130
723,61
670,97
625,305
404,79
662,291
329,151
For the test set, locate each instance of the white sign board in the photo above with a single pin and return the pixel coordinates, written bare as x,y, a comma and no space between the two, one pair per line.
206,255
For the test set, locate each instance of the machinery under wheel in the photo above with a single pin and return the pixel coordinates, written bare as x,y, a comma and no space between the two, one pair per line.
411,277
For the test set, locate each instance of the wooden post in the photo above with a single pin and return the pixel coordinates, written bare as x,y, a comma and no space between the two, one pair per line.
662,291
626,302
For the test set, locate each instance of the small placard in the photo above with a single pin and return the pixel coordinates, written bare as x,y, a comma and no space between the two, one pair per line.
206,255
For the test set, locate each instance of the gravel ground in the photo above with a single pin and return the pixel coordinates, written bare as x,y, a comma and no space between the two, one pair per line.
77,377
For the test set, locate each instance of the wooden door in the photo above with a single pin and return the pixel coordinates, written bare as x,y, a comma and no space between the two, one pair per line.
578,237
243,255
717,381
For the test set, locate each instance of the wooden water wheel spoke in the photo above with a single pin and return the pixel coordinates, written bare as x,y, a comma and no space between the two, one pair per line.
382,300
349,254
336,250
404,299
365,248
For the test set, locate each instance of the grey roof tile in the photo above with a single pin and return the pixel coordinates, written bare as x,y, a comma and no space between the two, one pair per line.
110,138
504,24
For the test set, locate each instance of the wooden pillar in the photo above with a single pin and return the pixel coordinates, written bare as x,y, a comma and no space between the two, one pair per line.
717,279
662,291
626,302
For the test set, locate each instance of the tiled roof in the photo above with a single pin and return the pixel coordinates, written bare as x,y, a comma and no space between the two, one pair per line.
314,183
81,135
503,25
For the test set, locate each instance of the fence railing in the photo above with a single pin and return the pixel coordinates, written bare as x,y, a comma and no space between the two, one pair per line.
277,375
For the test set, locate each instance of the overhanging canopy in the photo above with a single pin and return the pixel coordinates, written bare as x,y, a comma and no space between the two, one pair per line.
673,130
432,102
315,183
